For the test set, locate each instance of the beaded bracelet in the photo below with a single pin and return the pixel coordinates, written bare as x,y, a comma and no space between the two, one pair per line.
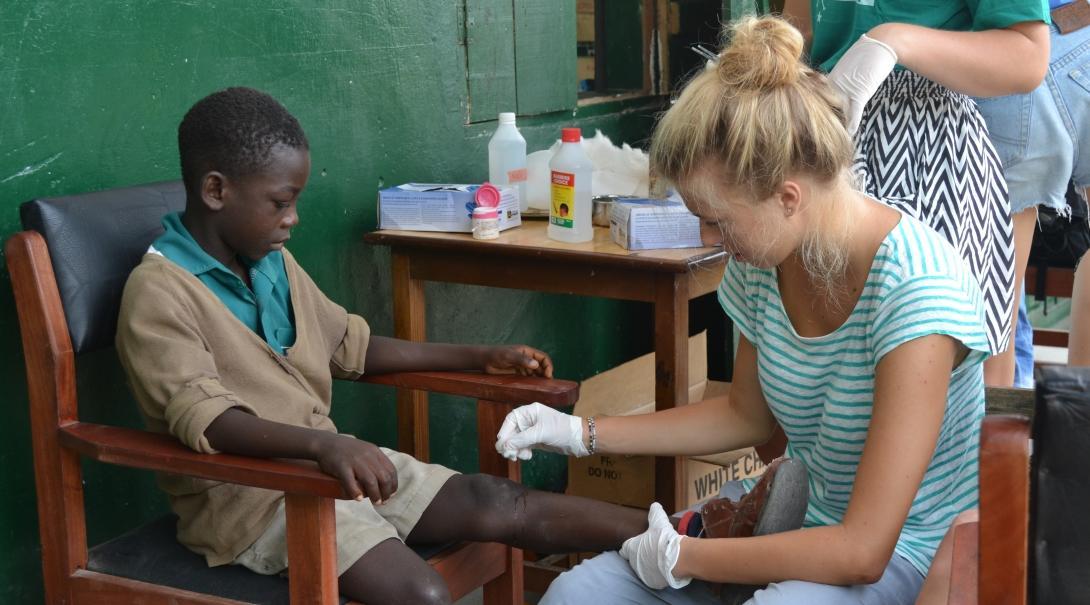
592,441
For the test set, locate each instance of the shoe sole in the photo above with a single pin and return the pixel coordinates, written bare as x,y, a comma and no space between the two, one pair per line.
784,510
788,496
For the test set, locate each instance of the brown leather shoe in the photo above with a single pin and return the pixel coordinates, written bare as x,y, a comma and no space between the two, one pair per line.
776,504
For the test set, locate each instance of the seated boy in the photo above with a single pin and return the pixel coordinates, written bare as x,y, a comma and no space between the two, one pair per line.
230,347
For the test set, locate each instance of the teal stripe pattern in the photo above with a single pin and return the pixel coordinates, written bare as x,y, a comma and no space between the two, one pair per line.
821,389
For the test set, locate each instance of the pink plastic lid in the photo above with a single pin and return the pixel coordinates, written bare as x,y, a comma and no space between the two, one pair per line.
485,212
487,195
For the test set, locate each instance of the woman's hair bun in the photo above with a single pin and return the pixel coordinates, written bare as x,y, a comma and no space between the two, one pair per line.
762,53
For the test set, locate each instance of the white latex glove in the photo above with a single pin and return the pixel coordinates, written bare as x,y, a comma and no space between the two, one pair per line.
540,427
859,73
653,554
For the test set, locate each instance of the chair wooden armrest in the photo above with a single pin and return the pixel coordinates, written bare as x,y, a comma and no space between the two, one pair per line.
142,449
505,388
989,556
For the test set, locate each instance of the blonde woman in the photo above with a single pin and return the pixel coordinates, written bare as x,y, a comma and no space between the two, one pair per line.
862,335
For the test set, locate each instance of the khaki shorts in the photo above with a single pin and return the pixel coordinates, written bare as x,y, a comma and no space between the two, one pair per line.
360,525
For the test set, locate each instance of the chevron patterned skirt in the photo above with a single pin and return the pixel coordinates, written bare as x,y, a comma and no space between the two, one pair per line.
924,150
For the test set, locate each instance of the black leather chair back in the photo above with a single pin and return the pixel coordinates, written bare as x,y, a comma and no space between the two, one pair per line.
95,240
1060,488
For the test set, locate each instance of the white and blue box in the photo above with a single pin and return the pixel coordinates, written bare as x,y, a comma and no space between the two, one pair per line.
646,224
440,207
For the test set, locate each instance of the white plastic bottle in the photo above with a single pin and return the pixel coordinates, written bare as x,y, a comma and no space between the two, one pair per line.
570,173
507,158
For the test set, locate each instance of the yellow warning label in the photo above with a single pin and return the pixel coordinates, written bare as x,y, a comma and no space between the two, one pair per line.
562,212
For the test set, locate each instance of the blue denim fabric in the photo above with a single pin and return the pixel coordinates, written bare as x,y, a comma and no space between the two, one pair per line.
1043,138
1023,348
609,580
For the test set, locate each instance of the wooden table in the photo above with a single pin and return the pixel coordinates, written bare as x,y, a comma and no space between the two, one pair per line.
668,279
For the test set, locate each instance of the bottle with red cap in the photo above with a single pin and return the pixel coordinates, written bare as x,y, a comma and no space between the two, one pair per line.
570,179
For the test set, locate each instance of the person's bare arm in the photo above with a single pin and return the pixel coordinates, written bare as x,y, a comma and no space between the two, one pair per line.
909,403
362,468
386,355
711,426
980,63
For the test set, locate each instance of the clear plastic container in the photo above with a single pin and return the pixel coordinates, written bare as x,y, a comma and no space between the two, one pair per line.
570,173
507,157
485,223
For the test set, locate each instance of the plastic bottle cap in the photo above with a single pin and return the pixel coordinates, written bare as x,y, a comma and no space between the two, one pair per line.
507,117
571,135
485,212
487,195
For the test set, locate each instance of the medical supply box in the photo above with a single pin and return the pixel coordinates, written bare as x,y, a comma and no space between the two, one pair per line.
645,224
440,207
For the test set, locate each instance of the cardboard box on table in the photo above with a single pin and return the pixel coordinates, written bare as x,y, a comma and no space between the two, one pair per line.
647,224
440,207
629,389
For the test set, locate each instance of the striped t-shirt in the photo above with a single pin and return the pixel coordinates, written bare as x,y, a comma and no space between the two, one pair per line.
821,389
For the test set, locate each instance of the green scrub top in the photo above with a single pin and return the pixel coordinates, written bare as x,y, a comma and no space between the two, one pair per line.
837,24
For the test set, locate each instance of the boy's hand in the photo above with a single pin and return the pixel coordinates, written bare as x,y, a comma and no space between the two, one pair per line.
518,359
363,469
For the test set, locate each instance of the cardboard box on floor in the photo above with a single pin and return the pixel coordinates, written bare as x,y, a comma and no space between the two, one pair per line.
630,480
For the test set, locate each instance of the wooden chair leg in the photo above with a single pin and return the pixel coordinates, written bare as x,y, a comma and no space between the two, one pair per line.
62,524
508,588
312,550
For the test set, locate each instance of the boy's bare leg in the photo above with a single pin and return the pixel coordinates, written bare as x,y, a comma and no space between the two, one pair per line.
484,508
392,573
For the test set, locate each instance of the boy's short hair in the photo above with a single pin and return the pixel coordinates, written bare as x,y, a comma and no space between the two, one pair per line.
232,131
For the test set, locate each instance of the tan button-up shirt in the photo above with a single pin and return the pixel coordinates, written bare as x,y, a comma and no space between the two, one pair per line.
188,359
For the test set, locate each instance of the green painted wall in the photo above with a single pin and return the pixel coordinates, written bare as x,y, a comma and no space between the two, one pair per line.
90,96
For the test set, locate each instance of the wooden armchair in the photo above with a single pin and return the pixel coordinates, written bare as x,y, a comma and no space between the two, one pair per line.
67,271
1032,542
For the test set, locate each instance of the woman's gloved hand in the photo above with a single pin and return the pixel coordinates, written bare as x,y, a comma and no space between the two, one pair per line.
653,554
859,73
540,427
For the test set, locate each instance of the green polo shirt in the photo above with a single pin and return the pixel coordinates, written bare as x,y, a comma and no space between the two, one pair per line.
265,309
837,24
